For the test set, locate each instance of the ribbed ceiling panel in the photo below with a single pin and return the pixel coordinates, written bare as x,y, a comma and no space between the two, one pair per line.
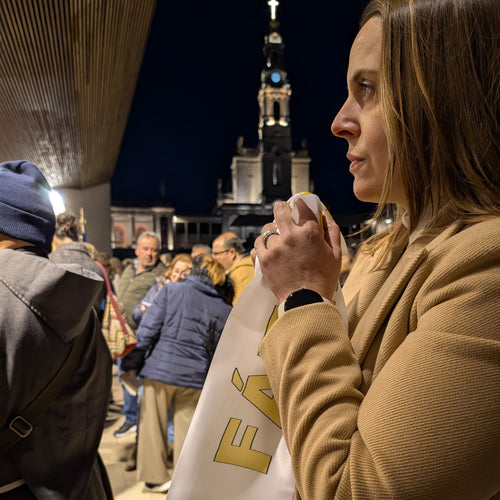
68,70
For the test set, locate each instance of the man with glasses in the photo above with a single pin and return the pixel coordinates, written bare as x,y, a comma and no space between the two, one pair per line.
229,251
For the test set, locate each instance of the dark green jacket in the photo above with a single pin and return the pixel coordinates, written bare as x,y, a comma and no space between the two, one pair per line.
133,287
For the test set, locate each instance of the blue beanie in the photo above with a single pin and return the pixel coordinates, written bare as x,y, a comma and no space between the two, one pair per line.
26,212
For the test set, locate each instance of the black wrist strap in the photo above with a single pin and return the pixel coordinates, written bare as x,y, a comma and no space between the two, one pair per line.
302,297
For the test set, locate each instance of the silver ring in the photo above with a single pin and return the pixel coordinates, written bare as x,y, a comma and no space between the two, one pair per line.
266,235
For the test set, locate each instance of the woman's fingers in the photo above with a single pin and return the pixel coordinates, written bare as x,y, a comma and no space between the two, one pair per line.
268,230
283,215
305,213
300,255
332,234
333,237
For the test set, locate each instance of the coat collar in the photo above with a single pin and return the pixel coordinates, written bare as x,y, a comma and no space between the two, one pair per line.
391,284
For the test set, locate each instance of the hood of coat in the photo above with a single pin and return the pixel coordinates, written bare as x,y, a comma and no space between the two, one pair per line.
68,252
75,253
62,295
201,283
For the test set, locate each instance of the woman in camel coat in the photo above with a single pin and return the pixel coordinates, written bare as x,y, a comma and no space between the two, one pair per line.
405,403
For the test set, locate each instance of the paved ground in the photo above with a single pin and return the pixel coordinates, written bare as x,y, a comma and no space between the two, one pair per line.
114,452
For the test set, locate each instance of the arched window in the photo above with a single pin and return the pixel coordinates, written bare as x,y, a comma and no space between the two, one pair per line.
276,111
276,173
119,236
276,166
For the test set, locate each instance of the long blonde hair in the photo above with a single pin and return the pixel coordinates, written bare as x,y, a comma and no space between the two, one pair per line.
206,265
440,94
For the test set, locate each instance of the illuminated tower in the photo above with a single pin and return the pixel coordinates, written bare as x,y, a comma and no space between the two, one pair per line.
272,171
275,139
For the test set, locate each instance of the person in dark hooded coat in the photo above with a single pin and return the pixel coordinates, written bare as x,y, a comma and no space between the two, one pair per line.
45,308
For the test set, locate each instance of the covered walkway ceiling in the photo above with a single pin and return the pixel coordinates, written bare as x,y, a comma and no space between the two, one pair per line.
68,70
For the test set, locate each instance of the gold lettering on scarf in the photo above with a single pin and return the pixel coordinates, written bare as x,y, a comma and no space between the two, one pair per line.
242,454
257,391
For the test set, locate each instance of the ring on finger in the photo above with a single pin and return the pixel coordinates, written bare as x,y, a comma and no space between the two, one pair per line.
266,235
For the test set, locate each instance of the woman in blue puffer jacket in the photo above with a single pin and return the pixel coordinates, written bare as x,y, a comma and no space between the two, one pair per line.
177,338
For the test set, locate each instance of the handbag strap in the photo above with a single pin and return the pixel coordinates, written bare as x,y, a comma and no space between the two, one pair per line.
109,290
21,425
112,299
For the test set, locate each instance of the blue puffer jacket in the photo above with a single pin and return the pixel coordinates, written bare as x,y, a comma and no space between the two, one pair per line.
179,333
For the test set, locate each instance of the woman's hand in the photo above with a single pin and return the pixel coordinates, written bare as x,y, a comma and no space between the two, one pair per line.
300,256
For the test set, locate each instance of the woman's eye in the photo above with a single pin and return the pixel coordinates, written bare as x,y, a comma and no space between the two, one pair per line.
367,89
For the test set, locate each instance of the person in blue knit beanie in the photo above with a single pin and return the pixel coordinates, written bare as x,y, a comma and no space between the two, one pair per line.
26,212
45,308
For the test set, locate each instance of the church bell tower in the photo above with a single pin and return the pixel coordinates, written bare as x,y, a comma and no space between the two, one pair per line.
271,171
275,140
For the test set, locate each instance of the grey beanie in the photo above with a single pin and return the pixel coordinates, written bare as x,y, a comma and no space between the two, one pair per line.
26,212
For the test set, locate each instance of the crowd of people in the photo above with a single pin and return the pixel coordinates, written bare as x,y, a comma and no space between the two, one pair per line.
187,298
402,402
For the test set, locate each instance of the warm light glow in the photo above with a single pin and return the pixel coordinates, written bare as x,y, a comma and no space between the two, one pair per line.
273,4
57,202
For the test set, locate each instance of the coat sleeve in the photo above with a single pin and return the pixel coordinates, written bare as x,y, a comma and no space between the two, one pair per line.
429,425
137,313
152,322
148,332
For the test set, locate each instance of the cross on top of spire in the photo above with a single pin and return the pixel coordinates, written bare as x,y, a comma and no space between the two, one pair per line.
273,4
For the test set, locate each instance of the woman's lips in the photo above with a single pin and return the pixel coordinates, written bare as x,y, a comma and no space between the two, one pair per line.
355,161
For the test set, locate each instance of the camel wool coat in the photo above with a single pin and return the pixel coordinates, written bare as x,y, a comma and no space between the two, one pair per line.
406,404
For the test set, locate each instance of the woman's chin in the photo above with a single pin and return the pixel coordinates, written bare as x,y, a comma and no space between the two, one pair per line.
366,195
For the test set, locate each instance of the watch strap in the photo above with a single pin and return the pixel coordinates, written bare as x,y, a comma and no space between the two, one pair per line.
301,297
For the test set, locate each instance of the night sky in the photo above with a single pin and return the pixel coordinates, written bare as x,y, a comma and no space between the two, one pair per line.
197,92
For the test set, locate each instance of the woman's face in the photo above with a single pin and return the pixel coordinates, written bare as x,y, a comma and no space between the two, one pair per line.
359,121
180,271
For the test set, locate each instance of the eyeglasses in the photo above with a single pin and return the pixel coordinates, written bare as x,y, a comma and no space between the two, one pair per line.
177,275
184,272
220,253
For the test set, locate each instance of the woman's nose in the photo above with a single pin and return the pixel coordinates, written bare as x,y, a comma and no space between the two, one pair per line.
345,124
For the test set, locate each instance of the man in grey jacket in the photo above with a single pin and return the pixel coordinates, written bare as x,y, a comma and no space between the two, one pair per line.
44,309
